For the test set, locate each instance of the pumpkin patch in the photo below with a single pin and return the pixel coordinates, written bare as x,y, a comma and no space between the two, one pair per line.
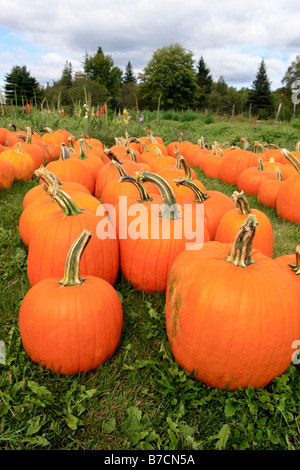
190,223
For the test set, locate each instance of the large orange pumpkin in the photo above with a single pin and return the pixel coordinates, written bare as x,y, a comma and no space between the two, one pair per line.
226,305
72,169
50,242
22,162
215,204
72,324
155,238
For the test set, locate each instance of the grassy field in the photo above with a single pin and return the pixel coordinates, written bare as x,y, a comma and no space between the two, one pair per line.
140,398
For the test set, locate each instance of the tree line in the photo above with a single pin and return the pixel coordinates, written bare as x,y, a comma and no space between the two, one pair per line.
172,80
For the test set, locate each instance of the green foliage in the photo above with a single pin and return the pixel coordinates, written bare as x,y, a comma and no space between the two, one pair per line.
260,95
20,87
169,78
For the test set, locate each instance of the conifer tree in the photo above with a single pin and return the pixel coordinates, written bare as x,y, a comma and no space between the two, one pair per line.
129,74
204,82
260,96
20,87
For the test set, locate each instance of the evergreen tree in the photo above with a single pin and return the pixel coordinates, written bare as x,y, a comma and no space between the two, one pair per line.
204,81
129,75
67,75
20,87
101,68
260,96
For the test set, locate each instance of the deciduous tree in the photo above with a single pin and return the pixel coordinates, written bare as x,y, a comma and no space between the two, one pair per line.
170,79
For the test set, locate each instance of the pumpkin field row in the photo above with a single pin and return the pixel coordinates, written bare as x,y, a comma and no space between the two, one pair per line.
71,318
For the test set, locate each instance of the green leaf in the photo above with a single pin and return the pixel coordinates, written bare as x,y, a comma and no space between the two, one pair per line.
109,426
35,426
230,407
222,437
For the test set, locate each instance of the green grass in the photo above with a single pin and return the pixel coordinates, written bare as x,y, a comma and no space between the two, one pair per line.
140,398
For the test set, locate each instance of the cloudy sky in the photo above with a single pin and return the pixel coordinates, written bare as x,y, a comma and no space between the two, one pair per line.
232,36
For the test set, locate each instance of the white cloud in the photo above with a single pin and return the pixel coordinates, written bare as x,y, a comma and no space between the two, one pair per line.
231,35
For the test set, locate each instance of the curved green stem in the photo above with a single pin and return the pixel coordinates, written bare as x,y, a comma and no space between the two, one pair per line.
241,202
242,246
278,174
293,160
132,154
65,202
144,195
47,176
112,156
260,166
64,152
199,194
169,207
119,167
72,273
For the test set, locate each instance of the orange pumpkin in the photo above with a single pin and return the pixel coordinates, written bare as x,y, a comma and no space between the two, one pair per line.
7,174
50,242
155,237
215,204
22,162
288,196
224,313
72,324
233,219
72,169
268,189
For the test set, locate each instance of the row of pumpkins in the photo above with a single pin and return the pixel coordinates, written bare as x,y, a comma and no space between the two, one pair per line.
232,311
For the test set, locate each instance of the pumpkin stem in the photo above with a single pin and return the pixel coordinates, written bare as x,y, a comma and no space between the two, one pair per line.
119,167
241,202
65,202
290,157
46,176
112,156
169,208
260,166
242,246
296,267
144,195
72,273
132,154
278,173
200,196
82,155
64,152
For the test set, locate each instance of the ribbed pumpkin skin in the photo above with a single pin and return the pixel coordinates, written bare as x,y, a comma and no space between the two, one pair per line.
146,262
71,329
234,162
288,199
37,210
234,327
7,174
73,169
268,191
38,191
250,180
52,238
